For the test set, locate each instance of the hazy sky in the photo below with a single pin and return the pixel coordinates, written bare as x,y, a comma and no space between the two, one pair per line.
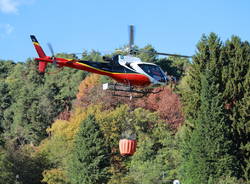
173,26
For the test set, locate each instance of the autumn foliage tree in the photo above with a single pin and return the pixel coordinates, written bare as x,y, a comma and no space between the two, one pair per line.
166,103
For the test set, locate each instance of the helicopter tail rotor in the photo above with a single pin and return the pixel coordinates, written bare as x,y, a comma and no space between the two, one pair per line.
52,54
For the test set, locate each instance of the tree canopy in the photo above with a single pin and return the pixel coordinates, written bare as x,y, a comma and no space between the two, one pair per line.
62,128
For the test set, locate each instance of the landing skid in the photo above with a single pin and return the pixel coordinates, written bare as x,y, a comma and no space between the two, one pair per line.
134,93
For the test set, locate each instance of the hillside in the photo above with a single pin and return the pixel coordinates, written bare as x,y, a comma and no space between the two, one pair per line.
64,129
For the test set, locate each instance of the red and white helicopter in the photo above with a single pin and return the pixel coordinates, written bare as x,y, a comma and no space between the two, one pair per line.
132,74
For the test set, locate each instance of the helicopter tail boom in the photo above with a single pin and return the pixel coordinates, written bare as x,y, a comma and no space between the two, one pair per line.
42,65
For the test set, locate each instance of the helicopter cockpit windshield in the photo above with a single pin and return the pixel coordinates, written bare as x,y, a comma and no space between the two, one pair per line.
154,71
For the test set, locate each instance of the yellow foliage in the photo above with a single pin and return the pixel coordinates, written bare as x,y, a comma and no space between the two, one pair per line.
59,144
143,118
112,122
54,176
88,83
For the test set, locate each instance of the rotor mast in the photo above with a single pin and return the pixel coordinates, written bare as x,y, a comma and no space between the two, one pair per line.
131,39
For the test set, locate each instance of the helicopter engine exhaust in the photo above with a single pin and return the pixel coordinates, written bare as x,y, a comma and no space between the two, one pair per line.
105,58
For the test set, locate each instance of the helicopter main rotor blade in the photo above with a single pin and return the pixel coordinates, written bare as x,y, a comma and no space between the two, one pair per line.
164,54
175,55
131,37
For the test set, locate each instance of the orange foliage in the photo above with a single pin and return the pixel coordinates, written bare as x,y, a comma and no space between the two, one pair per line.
166,103
91,92
65,115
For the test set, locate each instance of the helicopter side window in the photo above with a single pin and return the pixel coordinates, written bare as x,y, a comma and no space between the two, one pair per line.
115,60
153,71
128,65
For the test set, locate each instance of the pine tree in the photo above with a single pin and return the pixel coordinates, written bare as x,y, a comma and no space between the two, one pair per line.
154,161
90,160
236,94
209,146
229,66
6,174
5,102
207,56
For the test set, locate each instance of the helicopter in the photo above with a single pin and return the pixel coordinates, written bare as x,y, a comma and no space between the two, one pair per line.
130,73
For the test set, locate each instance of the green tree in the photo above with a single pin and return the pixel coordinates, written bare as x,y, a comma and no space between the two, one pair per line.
155,159
27,165
207,151
147,54
37,100
6,174
207,56
229,67
5,102
174,66
5,68
92,56
236,94
21,166
90,160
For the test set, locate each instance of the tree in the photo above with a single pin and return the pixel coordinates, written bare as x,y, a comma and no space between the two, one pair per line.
6,174
55,176
174,66
21,166
5,68
166,103
154,161
229,67
147,54
207,150
36,100
90,160
58,147
207,57
236,79
92,56
5,102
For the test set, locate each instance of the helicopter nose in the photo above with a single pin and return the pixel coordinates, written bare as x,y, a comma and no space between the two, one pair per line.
163,80
166,79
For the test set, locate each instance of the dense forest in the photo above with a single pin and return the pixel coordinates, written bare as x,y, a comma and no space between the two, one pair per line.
62,128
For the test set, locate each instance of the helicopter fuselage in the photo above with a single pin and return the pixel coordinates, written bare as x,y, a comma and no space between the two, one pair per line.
124,69
128,70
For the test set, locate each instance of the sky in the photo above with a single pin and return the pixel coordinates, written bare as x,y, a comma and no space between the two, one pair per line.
172,26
